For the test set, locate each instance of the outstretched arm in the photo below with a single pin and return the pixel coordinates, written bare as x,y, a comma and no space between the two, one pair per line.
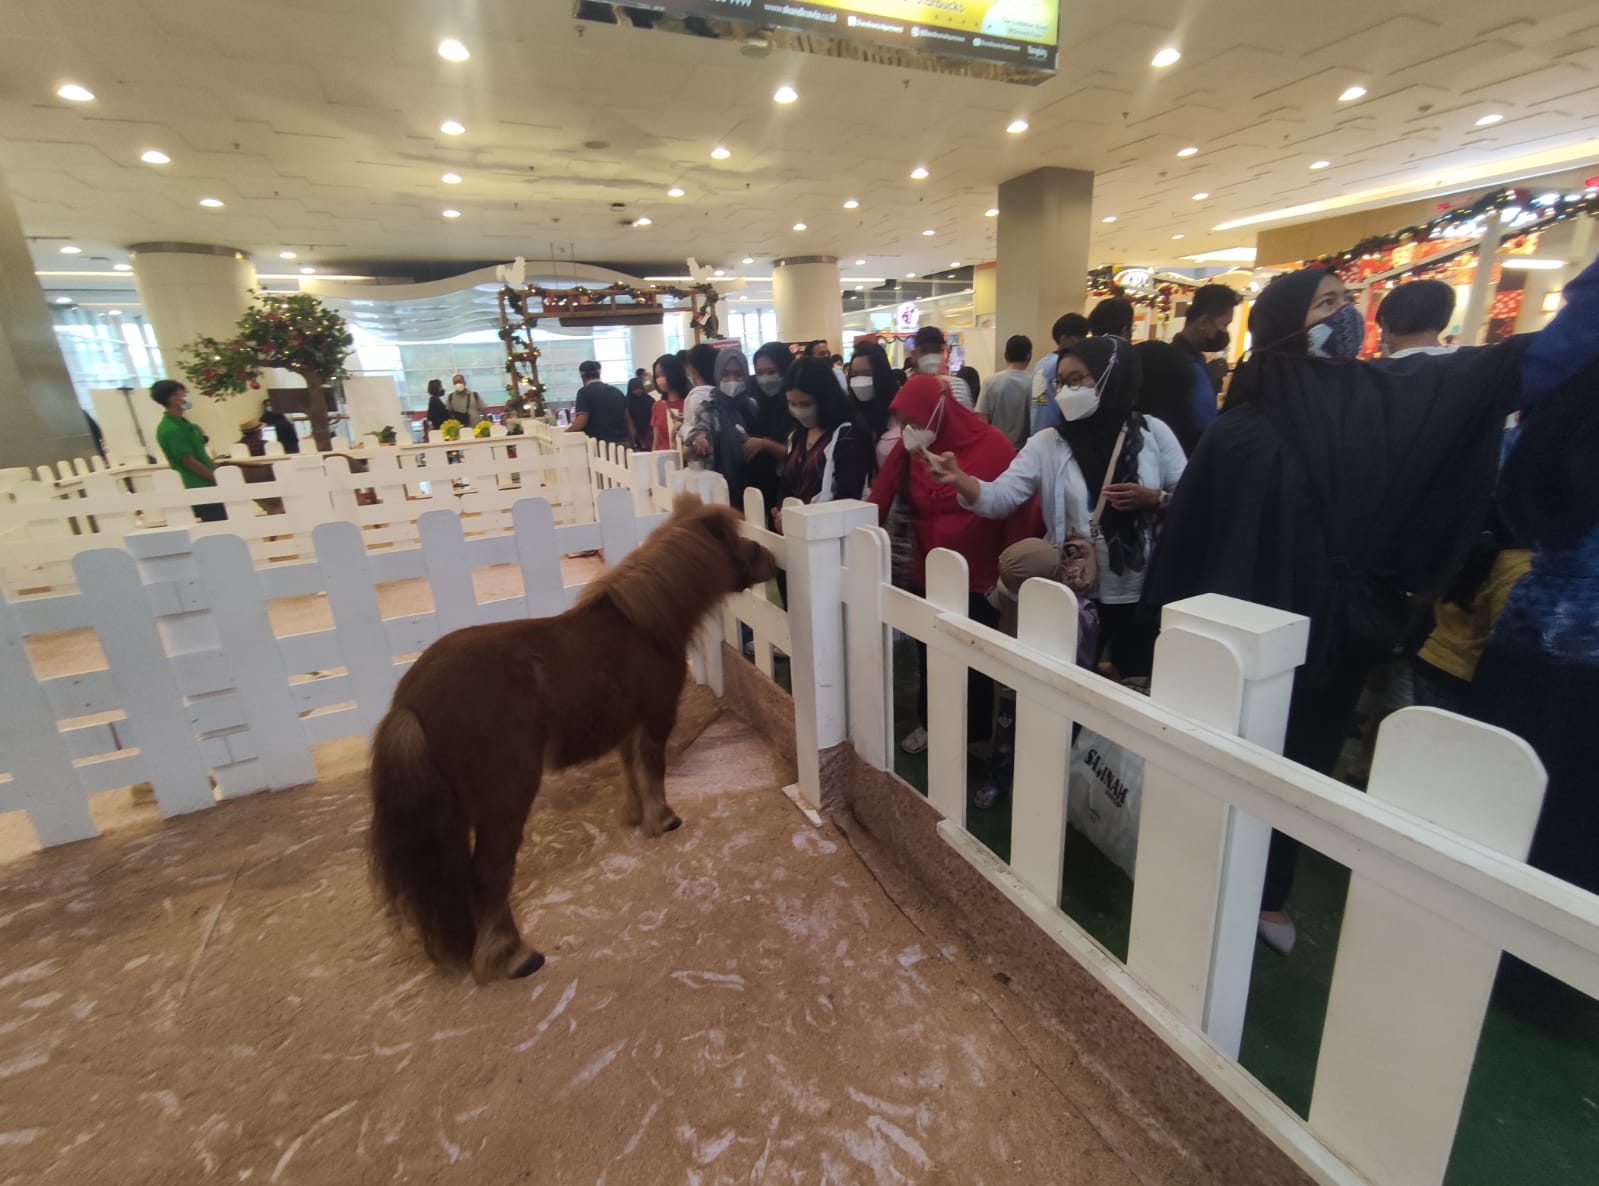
1568,343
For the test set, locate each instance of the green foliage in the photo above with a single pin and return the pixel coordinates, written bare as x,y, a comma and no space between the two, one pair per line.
294,331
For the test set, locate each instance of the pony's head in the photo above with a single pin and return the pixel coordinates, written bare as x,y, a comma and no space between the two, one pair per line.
746,563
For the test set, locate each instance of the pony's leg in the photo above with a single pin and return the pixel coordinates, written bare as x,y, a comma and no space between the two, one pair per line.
500,949
633,780
651,749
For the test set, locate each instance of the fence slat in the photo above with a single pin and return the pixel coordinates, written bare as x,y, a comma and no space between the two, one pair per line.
538,553
871,666
158,721
449,573
358,623
256,661
947,589
33,749
1410,989
1046,621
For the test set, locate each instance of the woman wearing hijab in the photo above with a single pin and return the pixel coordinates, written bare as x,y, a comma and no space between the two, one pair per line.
716,417
1103,456
766,447
933,422
1345,491
666,417
1166,391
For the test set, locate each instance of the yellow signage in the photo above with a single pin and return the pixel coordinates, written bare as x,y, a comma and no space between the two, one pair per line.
1034,21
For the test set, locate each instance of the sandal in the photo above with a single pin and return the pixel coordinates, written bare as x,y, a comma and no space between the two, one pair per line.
988,796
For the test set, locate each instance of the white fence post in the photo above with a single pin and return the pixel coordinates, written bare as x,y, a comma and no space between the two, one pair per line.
538,552
1047,622
181,602
871,666
120,610
815,537
1201,863
43,781
1410,989
363,640
239,610
948,588
449,572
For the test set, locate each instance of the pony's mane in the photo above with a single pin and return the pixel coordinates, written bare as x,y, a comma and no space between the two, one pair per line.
677,577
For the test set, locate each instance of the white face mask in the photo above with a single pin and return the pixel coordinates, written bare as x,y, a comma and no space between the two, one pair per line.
1077,403
731,386
918,440
928,364
460,386
864,387
804,417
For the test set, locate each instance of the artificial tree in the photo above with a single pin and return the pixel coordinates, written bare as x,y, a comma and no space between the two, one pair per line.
292,331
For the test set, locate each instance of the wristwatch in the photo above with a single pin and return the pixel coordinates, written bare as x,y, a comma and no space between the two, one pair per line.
1165,500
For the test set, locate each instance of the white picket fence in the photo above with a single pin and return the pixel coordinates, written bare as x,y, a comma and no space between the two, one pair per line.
45,523
1438,886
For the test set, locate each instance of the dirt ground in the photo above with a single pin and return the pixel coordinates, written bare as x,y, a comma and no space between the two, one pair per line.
216,999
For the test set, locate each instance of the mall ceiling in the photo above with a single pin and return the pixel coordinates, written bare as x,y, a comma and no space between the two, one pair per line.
316,124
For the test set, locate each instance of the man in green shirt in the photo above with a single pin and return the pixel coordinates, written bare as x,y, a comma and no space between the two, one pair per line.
183,445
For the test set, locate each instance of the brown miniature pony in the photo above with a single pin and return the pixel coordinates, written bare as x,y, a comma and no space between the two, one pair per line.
451,789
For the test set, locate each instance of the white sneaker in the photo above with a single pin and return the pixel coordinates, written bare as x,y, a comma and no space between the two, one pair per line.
1279,936
914,742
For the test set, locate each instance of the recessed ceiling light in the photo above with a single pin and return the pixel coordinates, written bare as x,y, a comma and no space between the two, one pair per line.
211,203
63,300
1166,57
450,213
851,204
748,259
122,267
1175,237
451,179
991,212
910,275
860,288
719,153
69,249
113,312
1016,127
860,263
785,94
643,220
799,226
721,271
1489,120
452,50
1320,164
451,127
928,231
75,93
288,255
1353,93
308,271
954,263
675,192
1201,196
1108,218
919,173
154,156
1187,152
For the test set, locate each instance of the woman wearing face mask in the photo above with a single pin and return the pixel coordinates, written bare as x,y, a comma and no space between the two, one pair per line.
640,407
719,430
671,388
766,447
437,413
1104,472
873,383
830,451
462,404
1342,490
933,422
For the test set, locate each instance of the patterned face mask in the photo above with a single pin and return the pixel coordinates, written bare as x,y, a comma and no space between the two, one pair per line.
1340,335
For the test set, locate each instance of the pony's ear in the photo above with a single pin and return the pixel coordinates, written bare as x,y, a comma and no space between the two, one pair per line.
686,503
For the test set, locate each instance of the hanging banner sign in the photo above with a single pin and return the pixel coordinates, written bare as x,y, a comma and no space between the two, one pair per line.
1018,38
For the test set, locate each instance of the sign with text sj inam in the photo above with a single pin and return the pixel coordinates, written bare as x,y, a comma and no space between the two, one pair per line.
1018,33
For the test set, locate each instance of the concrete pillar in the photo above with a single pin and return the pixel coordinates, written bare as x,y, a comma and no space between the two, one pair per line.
190,290
646,343
43,421
985,296
805,296
1042,265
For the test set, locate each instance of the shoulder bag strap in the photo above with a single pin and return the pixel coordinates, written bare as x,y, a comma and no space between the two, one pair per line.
1110,472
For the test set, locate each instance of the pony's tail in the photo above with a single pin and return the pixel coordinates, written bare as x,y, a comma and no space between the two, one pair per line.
419,846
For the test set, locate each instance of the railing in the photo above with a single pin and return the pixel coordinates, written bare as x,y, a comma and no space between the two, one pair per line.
1438,887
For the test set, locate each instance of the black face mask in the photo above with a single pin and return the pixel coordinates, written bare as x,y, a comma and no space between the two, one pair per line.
1217,342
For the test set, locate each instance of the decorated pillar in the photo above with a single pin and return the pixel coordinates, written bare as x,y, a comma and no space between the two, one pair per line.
190,290
43,422
805,296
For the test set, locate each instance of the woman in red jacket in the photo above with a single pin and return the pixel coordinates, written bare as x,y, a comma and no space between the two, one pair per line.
932,421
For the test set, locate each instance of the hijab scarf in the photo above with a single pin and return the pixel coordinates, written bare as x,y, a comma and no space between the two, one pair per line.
727,440
980,448
1117,372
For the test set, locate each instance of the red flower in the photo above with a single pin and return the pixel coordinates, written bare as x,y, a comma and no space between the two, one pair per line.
254,386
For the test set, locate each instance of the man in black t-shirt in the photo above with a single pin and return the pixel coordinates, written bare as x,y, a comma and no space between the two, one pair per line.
601,410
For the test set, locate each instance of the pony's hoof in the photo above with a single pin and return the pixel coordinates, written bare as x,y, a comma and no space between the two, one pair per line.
672,824
533,962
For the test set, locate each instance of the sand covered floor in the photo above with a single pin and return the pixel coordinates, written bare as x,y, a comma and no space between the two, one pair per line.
215,999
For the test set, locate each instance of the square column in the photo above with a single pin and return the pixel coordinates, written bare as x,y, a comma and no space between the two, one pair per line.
1042,255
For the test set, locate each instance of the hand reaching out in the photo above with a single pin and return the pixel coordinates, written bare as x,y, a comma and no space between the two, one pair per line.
946,471
1130,496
